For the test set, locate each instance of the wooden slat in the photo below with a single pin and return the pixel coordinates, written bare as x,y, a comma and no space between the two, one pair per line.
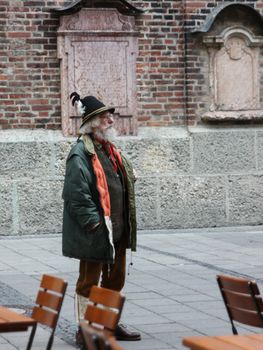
241,300
53,283
104,317
45,317
247,317
209,343
106,297
49,300
238,284
242,341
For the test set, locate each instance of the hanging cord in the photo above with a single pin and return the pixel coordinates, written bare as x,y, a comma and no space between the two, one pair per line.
130,264
109,270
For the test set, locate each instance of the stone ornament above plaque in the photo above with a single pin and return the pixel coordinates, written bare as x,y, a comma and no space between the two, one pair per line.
98,49
96,20
234,75
123,6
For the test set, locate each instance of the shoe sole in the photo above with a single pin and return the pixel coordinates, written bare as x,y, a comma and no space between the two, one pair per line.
128,339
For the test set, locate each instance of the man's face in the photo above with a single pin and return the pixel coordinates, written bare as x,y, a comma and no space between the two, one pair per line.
106,121
105,130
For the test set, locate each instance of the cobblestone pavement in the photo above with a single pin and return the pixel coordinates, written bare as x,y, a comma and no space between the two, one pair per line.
171,289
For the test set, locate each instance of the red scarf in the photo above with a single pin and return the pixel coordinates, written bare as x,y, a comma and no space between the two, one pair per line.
113,154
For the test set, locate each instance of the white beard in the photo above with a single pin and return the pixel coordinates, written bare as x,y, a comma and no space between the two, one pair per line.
109,134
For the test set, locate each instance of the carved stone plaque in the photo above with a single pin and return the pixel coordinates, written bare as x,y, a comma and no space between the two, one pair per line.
98,49
234,75
104,70
237,85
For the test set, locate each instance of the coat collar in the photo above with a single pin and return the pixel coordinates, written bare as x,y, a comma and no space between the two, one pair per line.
88,144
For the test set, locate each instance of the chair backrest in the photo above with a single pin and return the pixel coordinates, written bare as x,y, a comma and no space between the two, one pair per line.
242,300
97,340
48,303
104,308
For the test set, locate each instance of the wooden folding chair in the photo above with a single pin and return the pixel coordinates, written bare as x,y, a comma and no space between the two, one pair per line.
104,309
242,300
97,340
48,303
92,339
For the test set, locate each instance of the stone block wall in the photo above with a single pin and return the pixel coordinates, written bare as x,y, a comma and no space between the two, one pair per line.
200,178
203,178
32,168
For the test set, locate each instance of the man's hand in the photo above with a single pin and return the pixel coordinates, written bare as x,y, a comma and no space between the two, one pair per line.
92,227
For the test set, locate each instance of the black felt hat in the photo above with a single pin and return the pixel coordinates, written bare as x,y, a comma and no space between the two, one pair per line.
89,106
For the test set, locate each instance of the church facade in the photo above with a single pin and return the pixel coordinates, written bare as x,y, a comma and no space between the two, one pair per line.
185,77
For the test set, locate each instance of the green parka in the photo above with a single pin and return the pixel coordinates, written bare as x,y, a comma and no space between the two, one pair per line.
82,208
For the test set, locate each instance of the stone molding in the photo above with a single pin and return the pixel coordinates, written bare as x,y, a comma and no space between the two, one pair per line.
97,22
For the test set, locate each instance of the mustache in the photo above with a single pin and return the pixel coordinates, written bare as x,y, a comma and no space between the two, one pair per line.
107,135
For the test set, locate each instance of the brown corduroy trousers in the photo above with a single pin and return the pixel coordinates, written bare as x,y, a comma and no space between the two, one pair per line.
90,272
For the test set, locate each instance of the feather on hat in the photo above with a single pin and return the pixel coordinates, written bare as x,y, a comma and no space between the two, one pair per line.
88,106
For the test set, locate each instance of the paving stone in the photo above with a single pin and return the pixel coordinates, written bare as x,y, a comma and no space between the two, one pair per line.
171,292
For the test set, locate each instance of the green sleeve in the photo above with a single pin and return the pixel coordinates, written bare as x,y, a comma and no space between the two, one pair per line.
77,192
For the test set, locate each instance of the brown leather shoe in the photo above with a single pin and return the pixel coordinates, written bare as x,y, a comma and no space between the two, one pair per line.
123,333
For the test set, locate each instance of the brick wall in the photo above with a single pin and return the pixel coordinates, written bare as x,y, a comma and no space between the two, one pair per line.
160,72
29,75
172,79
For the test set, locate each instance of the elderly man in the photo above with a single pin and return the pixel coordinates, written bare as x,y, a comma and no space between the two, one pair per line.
99,220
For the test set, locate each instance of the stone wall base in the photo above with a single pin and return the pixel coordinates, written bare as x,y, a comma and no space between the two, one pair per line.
202,177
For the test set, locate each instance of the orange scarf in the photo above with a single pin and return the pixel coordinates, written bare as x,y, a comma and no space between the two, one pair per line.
101,181
114,155
102,185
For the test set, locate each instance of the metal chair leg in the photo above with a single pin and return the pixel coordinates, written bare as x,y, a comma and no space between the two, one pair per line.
50,341
31,338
